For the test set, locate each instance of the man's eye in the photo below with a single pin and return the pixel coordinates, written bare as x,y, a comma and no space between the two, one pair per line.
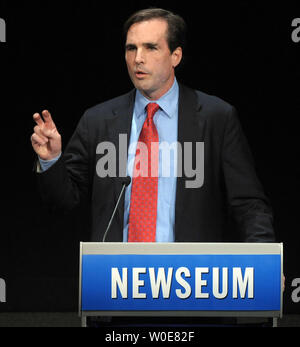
152,48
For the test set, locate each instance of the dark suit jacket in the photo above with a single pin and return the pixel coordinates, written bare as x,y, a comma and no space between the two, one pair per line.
231,187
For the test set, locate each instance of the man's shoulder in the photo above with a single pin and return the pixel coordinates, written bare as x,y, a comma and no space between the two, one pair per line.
207,101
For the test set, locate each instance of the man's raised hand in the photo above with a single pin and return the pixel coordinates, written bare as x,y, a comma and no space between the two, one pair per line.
46,140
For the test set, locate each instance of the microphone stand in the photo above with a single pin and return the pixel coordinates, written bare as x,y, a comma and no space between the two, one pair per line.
126,183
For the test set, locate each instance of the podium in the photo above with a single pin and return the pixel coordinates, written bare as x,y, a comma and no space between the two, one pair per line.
181,279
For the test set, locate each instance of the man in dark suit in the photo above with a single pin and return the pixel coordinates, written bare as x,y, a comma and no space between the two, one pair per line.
230,190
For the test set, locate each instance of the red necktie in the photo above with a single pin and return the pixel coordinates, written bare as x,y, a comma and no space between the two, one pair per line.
143,204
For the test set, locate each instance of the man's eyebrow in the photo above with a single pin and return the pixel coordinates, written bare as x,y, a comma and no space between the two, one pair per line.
146,44
150,44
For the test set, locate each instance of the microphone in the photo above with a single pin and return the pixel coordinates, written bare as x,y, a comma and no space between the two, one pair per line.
125,183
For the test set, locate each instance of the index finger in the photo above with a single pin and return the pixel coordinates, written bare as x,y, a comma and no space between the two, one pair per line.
37,118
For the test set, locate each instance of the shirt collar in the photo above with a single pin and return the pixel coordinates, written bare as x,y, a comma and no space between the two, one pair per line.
168,102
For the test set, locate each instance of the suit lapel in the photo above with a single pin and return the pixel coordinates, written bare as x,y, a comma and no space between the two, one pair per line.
191,128
120,123
191,121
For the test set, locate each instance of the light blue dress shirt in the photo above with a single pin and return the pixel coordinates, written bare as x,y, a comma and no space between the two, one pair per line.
166,122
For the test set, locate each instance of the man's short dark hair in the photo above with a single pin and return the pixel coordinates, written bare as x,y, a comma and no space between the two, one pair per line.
176,33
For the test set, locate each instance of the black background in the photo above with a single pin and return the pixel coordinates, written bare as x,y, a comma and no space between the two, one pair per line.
69,56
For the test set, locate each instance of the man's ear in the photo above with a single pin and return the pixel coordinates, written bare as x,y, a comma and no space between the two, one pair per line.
176,57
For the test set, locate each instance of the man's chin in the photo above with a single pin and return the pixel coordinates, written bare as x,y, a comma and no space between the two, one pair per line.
142,84
148,93
144,89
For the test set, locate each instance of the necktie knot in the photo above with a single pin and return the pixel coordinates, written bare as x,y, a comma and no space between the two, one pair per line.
152,109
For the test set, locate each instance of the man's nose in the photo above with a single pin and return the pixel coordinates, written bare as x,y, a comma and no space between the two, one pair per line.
139,58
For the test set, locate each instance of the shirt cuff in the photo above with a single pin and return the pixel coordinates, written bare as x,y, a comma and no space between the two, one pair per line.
46,164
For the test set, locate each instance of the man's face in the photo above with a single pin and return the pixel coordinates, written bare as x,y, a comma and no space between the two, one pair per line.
149,60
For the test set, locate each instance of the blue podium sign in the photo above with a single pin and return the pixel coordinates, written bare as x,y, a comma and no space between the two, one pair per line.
181,278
